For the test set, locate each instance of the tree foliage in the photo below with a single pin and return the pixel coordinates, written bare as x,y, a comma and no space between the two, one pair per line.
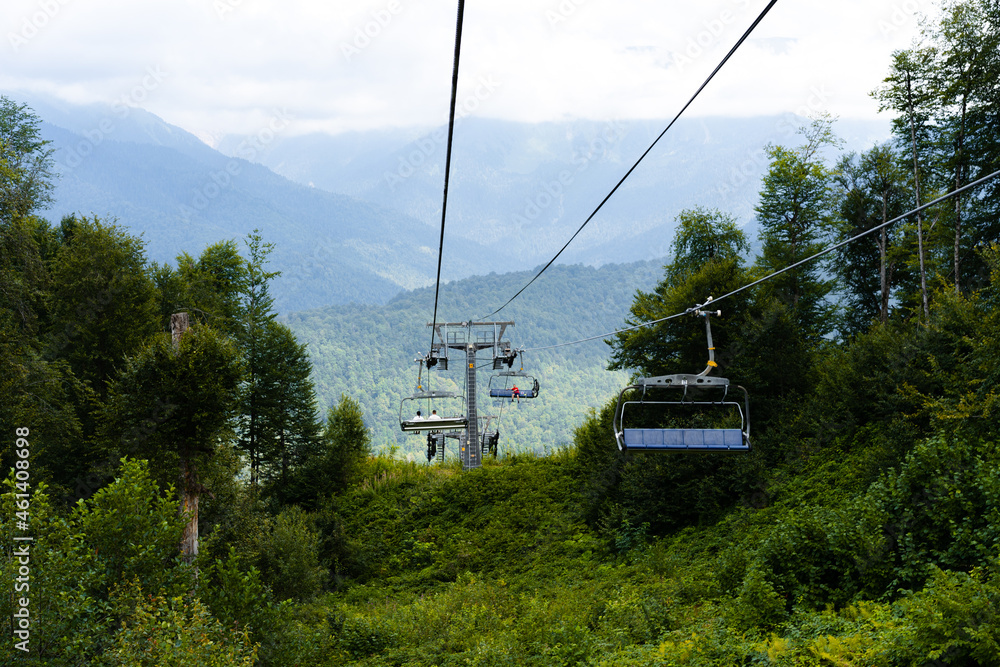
795,214
171,403
25,162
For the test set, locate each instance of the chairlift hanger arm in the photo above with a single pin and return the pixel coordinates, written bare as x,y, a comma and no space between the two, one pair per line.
707,314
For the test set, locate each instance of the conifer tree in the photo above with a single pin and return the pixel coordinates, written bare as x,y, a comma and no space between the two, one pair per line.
288,405
256,312
278,427
344,445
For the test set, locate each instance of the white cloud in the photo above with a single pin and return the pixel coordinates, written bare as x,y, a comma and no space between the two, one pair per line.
357,64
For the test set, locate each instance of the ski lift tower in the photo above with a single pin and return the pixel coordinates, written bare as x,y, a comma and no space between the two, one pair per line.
470,338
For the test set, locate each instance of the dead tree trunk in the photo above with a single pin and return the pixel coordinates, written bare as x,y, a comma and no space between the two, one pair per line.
916,190
189,486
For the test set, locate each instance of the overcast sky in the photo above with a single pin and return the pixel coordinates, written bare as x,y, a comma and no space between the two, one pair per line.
229,66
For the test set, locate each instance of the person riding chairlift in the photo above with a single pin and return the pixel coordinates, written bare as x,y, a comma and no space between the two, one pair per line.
515,393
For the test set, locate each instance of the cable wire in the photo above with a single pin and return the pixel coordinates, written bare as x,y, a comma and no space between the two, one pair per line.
447,161
825,251
830,249
641,157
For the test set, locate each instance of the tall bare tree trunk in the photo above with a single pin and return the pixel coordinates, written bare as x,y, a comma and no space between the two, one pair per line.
883,277
916,189
960,157
190,489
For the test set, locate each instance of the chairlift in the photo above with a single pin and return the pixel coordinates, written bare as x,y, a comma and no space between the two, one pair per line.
635,429
432,411
499,382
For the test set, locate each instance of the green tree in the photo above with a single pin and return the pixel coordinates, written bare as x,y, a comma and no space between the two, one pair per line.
209,289
701,236
34,390
257,393
174,405
346,440
968,67
345,445
944,92
873,192
103,300
795,213
907,91
25,162
706,261
291,430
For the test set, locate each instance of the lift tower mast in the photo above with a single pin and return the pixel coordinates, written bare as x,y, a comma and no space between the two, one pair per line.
469,337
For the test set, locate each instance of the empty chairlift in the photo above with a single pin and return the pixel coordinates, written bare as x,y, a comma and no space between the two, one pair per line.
638,422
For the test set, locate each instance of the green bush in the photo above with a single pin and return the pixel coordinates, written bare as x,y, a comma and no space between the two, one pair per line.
941,507
287,555
955,619
134,530
174,632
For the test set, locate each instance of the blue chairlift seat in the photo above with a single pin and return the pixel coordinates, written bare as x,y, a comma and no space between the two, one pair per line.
686,439
509,393
632,436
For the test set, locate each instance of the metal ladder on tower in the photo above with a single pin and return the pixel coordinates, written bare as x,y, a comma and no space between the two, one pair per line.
471,455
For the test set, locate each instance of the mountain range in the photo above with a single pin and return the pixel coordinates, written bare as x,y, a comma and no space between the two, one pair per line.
356,217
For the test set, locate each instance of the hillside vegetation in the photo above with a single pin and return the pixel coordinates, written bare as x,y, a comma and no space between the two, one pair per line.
174,497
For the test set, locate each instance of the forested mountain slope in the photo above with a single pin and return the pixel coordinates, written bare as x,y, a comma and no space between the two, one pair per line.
368,352
520,190
163,183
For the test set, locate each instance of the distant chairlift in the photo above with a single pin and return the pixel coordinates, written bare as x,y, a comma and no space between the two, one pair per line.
448,404
432,410
632,432
527,385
